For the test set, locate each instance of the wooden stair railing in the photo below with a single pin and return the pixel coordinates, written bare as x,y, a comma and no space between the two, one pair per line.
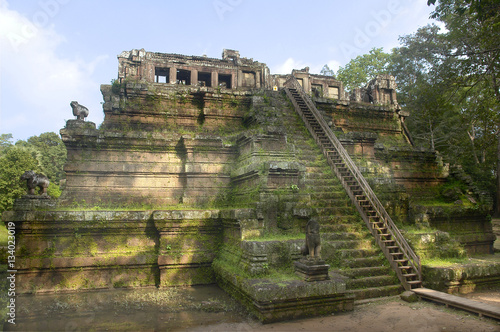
401,257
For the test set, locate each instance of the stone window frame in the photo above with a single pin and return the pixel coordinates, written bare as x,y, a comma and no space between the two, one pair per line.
159,71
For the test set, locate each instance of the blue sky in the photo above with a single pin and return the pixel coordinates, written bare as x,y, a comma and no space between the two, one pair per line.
56,51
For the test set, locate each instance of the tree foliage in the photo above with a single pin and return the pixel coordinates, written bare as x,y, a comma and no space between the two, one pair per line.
420,90
469,70
13,162
51,153
449,80
44,154
357,72
327,71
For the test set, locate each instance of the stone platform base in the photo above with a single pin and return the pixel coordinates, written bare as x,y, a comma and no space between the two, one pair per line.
283,300
311,270
479,273
33,202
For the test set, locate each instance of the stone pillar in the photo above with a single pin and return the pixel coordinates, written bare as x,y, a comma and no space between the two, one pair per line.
194,77
215,79
239,80
173,75
234,78
307,84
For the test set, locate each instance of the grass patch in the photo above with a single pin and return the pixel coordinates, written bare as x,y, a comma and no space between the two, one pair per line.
442,203
282,275
277,237
444,262
418,230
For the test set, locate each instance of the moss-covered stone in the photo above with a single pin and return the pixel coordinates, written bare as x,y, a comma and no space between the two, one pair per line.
463,277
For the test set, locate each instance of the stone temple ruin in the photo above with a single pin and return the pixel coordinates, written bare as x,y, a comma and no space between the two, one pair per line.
207,171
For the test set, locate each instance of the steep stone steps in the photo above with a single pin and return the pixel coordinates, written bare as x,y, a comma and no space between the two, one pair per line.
319,186
317,182
327,202
368,282
329,249
372,261
358,272
340,219
373,292
333,210
404,263
340,236
325,195
339,228
345,240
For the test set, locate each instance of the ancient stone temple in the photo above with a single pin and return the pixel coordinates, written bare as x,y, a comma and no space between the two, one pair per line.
208,170
231,72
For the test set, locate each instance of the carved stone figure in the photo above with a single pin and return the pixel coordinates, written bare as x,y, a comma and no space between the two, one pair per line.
80,111
313,240
34,180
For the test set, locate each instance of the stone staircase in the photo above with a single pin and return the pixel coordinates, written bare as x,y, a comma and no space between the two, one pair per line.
396,250
346,243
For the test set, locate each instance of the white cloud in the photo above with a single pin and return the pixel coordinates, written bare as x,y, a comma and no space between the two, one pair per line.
287,66
37,83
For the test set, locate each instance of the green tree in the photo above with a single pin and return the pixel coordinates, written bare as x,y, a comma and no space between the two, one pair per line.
470,70
448,80
14,161
357,72
44,154
420,90
51,153
5,141
327,71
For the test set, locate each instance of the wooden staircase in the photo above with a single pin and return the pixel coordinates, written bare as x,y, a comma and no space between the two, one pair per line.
401,257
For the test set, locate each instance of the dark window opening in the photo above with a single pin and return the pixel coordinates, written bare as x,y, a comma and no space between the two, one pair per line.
317,90
204,79
183,77
225,81
162,75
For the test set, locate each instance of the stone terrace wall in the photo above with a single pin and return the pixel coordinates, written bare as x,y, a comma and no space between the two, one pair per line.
157,145
67,250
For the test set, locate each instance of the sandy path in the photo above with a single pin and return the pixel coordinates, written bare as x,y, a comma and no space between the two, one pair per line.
385,315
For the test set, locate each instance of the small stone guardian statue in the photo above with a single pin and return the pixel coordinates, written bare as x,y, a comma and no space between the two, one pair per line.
313,240
34,180
312,267
80,111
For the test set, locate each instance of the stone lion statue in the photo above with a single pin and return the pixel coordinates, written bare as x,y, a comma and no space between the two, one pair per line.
34,180
80,111
313,240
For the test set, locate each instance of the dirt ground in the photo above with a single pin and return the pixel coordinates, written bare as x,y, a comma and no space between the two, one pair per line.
390,314
208,308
